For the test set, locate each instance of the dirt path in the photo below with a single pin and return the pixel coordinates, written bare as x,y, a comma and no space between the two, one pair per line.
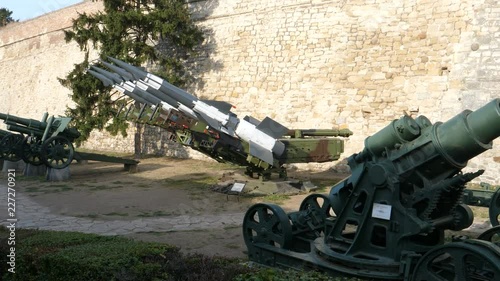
168,200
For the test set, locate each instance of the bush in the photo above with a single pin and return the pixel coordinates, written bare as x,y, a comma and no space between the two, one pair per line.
51,255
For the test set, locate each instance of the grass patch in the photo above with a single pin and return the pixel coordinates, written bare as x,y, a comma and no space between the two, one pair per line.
90,216
154,214
48,189
231,227
143,185
232,246
50,255
32,189
116,214
122,182
276,198
66,188
325,183
202,182
104,187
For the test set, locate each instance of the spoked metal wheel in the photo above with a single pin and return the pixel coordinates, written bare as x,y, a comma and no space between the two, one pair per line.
318,207
492,235
267,224
469,260
31,151
57,152
10,147
495,208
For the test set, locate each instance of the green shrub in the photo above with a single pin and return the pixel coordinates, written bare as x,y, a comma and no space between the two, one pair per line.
51,255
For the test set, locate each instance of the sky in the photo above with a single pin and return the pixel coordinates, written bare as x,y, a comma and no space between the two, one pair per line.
28,9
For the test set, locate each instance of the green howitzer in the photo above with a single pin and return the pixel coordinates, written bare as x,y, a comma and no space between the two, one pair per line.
48,141
388,219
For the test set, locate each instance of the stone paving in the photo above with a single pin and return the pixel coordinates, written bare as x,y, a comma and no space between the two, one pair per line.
30,214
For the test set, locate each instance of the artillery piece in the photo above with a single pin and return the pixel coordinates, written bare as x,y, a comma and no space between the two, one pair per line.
48,141
211,128
387,220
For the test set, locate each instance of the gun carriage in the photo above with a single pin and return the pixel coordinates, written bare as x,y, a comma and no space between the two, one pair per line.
388,219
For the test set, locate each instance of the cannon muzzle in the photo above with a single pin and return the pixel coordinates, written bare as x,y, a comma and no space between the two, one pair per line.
468,134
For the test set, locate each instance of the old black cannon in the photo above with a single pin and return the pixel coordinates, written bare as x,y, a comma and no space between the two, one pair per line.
388,219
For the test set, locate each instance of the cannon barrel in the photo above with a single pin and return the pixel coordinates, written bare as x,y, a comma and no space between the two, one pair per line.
458,140
300,133
30,123
25,130
469,133
70,133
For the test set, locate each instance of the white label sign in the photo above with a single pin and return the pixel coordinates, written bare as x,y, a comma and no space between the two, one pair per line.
381,211
237,187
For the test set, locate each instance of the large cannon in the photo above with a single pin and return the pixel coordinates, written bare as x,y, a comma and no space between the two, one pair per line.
388,219
211,128
48,141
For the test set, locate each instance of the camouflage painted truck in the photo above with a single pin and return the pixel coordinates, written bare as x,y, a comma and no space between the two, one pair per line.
387,221
211,128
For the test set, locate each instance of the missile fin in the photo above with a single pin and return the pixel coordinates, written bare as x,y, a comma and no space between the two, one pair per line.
210,121
272,128
251,120
261,153
222,106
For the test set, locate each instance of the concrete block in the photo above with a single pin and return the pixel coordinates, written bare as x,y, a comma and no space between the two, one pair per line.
17,166
58,174
35,171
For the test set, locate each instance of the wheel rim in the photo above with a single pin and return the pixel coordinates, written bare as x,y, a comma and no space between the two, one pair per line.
267,224
491,235
57,152
494,209
469,260
319,208
31,151
11,147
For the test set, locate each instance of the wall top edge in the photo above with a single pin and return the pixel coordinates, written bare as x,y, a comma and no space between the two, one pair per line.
57,20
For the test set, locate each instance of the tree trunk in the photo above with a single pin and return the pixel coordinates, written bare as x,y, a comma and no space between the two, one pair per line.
138,137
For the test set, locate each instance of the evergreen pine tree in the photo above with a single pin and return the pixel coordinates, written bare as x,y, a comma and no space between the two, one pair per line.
157,33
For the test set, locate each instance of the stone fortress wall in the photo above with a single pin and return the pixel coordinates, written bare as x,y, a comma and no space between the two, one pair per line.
305,63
